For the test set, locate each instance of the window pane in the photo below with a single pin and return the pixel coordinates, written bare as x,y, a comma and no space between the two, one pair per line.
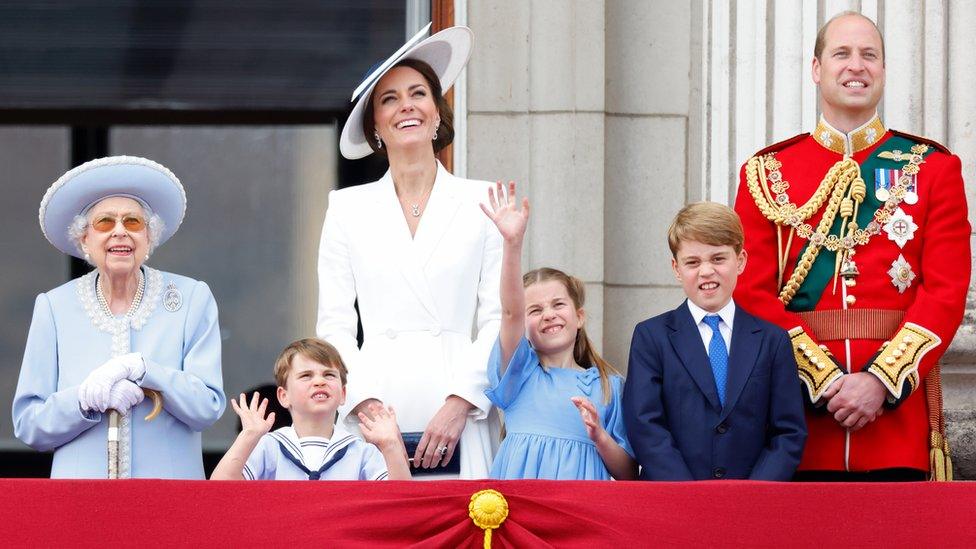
192,55
256,202
31,158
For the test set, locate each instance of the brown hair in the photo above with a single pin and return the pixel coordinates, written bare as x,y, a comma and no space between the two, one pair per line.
583,352
313,349
706,222
818,46
445,131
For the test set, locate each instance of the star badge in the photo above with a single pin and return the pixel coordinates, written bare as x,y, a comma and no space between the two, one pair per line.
900,228
901,274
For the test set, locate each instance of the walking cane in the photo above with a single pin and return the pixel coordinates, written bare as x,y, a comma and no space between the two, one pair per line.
115,418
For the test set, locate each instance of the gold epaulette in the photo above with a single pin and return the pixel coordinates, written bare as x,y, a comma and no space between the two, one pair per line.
816,366
899,358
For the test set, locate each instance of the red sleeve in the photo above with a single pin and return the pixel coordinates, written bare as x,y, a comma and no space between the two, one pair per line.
946,263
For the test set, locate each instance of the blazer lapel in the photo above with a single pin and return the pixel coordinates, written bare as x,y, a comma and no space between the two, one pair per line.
404,250
687,343
746,340
440,212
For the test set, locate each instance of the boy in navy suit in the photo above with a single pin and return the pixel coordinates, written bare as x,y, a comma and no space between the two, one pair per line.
712,391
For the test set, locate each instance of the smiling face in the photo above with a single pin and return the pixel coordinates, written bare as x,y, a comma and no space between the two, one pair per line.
850,71
404,110
312,389
119,250
551,318
708,273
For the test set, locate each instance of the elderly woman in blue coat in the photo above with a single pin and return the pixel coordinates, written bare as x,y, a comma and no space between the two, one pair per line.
97,342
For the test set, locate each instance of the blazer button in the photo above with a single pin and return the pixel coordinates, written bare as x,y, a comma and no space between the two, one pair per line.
391,333
435,331
722,428
718,472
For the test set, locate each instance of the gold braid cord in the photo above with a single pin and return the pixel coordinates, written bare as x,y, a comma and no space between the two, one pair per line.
832,189
899,358
940,459
816,367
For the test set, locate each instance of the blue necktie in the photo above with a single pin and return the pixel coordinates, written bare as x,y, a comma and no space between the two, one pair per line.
718,355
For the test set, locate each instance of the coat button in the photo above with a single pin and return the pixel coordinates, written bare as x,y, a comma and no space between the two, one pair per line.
722,428
435,331
391,333
718,472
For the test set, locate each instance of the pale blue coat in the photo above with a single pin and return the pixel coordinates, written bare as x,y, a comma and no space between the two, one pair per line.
181,347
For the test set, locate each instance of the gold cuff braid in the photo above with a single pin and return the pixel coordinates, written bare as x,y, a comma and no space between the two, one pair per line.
816,368
899,358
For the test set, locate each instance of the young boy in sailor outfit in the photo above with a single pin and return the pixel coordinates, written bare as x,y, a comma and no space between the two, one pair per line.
311,380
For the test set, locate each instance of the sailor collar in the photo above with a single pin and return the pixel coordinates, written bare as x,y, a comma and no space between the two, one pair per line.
849,143
288,438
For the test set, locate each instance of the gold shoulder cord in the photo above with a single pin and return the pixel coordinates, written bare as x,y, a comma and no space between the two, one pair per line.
846,190
835,186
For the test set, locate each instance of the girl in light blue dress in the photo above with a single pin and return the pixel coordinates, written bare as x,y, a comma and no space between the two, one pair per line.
562,402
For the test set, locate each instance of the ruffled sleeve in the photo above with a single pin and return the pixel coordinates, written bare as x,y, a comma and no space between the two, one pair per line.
613,418
504,388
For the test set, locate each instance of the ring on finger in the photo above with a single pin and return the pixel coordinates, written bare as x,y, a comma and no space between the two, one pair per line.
442,450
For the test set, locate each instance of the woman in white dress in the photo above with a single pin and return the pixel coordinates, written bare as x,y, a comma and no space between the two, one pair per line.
423,262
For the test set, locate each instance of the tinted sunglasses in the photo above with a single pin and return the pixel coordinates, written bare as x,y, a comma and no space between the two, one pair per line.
105,222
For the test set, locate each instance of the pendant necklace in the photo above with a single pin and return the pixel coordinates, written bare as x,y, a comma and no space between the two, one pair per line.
415,208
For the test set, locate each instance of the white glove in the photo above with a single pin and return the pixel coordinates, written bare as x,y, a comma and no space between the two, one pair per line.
93,393
135,366
124,395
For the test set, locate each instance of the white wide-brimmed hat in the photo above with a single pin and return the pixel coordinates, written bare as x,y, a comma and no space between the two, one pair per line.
131,176
446,52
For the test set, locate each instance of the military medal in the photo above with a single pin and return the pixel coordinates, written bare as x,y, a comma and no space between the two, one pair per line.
901,274
172,298
884,180
900,228
911,190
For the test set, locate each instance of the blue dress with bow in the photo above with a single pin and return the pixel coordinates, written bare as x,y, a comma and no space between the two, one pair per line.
546,438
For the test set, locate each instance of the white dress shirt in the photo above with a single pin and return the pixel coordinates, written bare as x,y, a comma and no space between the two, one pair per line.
727,314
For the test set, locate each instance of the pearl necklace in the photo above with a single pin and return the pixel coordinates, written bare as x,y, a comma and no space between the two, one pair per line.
136,300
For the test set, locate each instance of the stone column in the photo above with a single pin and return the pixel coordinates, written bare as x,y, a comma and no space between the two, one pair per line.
535,115
648,64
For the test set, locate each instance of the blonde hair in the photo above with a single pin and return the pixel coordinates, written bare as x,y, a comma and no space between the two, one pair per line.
313,349
706,222
583,352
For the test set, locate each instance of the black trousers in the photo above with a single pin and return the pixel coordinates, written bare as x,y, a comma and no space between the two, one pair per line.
902,474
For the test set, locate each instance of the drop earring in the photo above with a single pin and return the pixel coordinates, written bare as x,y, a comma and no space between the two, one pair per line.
379,142
436,127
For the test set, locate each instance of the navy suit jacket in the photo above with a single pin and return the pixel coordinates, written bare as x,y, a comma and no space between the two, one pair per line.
675,423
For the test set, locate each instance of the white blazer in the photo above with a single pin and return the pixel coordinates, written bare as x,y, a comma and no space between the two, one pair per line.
429,305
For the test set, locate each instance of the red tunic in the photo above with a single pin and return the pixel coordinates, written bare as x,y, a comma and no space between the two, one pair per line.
939,255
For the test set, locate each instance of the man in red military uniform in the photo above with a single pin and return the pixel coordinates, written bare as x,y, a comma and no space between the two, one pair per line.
858,241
